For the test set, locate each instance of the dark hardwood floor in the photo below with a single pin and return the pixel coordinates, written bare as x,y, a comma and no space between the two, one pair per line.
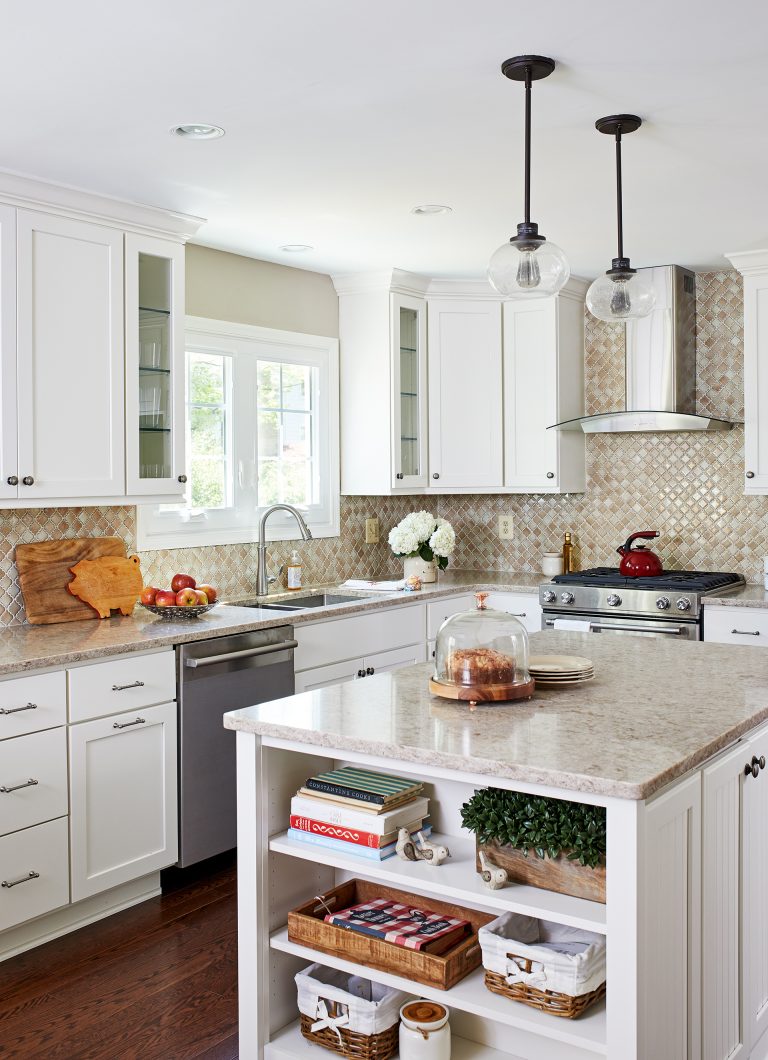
156,982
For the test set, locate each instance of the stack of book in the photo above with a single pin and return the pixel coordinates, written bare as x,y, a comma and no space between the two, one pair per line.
358,812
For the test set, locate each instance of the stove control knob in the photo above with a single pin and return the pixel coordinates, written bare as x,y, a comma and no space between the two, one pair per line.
549,597
683,604
613,600
662,602
566,598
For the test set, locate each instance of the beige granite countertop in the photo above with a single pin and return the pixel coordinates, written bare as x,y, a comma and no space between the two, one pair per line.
37,647
747,596
649,716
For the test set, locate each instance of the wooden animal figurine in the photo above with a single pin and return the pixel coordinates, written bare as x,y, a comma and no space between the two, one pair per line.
491,875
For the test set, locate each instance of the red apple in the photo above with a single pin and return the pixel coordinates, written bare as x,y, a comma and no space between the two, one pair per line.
209,591
182,581
148,594
202,597
186,597
165,598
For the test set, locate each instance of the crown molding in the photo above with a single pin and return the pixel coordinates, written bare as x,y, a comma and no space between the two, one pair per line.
749,261
397,280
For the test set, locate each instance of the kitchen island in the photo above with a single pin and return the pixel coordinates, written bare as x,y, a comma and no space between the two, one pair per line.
669,738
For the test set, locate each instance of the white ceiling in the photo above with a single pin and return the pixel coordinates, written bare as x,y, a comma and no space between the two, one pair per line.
343,114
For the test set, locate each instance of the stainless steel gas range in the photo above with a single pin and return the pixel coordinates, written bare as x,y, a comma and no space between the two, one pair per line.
665,605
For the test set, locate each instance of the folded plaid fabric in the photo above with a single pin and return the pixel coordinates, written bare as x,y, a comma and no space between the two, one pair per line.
394,922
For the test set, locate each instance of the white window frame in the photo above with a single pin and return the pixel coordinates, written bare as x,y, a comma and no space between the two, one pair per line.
157,529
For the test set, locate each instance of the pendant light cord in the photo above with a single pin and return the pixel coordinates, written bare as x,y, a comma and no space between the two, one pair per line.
619,211
527,145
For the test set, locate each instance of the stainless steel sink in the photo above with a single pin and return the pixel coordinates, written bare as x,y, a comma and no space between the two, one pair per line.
303,603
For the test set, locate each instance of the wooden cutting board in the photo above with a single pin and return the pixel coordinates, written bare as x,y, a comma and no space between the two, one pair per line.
108,583
44,573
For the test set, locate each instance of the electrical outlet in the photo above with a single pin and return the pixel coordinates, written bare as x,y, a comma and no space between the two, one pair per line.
506,527
371,531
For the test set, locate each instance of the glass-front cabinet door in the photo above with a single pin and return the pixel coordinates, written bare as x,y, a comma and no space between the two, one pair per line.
154,322
409,398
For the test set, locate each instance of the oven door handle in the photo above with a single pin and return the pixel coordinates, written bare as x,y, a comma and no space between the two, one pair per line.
266,649
598,627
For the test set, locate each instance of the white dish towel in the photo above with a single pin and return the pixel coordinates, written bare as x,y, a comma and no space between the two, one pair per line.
577,625
377,587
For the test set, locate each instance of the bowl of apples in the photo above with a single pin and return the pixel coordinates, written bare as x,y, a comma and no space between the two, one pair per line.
185,599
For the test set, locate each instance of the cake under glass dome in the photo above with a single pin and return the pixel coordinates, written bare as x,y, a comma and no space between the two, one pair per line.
480,655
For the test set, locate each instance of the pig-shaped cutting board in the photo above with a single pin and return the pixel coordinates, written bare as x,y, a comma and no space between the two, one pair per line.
108,583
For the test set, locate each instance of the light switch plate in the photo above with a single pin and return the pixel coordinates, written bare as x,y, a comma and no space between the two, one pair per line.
506,526
371,531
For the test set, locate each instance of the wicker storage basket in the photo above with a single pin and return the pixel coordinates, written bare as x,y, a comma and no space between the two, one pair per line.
552,967
348,1014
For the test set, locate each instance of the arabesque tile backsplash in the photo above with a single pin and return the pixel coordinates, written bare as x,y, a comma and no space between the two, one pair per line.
689,486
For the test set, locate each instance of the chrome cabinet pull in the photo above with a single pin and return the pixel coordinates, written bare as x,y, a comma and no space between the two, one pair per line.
28,480
31,875
747,632
12,480
369,671
15,787
750,474
128,724
753,767
550,474
122,688
15,710
518,614
182,479
266,649
361,673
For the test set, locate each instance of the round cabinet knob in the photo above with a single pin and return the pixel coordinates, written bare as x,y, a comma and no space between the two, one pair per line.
13,480
435,475
400,475
28,480
614,600
550,474
761,761
549,597
683,604
361,673
662,602
753,767
182,478
566,598
750,474
370,671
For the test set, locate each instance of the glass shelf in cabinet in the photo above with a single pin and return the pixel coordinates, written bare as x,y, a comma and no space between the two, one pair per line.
154,371
155,430
153,309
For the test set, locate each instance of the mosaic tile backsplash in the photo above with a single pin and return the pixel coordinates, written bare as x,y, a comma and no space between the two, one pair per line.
688,486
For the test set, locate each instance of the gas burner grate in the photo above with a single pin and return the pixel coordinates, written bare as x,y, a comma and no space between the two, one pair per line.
675,580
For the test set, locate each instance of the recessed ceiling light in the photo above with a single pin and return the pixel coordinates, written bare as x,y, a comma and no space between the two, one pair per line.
296,248
431,207
198,131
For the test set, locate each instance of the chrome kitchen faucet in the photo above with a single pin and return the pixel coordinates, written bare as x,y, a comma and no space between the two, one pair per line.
262,580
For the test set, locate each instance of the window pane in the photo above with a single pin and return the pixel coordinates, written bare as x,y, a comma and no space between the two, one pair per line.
268,382
206,380
269,485
296,436
207,430
296,485
269,434
296,388
209,487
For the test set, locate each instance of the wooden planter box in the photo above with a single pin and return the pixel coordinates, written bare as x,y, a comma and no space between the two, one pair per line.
307,927
558,874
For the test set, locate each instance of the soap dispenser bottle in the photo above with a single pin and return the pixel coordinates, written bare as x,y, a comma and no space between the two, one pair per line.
294,571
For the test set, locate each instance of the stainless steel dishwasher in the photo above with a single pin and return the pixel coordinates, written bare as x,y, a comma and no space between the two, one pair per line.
214,676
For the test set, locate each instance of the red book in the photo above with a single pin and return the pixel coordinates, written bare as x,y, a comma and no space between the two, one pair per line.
347,834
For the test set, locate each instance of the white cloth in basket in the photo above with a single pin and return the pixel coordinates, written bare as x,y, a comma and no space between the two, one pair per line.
551,969
361,1006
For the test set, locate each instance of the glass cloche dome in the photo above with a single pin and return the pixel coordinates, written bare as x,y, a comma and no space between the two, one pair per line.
482,655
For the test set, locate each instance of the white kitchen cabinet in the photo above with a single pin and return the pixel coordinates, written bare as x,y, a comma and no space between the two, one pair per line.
9,460
466,434
543,385
123,798
70,358
358,668
747,626
753,266
383,383
523,606
33,779
33,872
154,366
735,845
356,636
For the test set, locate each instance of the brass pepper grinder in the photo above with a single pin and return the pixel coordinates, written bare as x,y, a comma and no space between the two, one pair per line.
567,553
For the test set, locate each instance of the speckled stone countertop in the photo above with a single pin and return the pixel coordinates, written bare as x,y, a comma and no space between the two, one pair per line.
649,716
746,596
65,643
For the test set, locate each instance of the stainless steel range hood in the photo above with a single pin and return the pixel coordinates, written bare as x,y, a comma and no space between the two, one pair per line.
660,372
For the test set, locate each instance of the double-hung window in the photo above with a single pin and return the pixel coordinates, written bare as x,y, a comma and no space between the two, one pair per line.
262,425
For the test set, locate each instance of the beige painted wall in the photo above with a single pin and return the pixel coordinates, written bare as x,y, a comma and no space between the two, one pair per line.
231,287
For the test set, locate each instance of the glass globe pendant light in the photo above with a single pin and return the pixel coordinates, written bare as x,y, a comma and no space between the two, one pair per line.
528,266
621,294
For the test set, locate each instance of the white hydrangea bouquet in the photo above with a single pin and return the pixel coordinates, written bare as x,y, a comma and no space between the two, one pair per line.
425,539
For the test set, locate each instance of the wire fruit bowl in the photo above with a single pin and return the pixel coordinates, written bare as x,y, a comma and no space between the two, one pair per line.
174,612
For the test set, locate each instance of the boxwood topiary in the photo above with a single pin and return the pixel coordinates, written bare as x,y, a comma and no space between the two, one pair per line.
549,827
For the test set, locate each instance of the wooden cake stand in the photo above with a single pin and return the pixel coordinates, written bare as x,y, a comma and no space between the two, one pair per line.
474,694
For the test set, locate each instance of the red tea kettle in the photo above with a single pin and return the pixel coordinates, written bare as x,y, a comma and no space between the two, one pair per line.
639,562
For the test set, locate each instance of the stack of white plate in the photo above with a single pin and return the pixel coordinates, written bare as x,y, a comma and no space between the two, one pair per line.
560,670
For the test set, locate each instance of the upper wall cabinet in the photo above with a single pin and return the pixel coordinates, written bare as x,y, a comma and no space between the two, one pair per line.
544,384
78,383
753,266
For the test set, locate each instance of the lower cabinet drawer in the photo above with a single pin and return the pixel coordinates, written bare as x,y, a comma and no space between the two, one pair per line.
34,876
129,682
736,625
33,779
28,704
